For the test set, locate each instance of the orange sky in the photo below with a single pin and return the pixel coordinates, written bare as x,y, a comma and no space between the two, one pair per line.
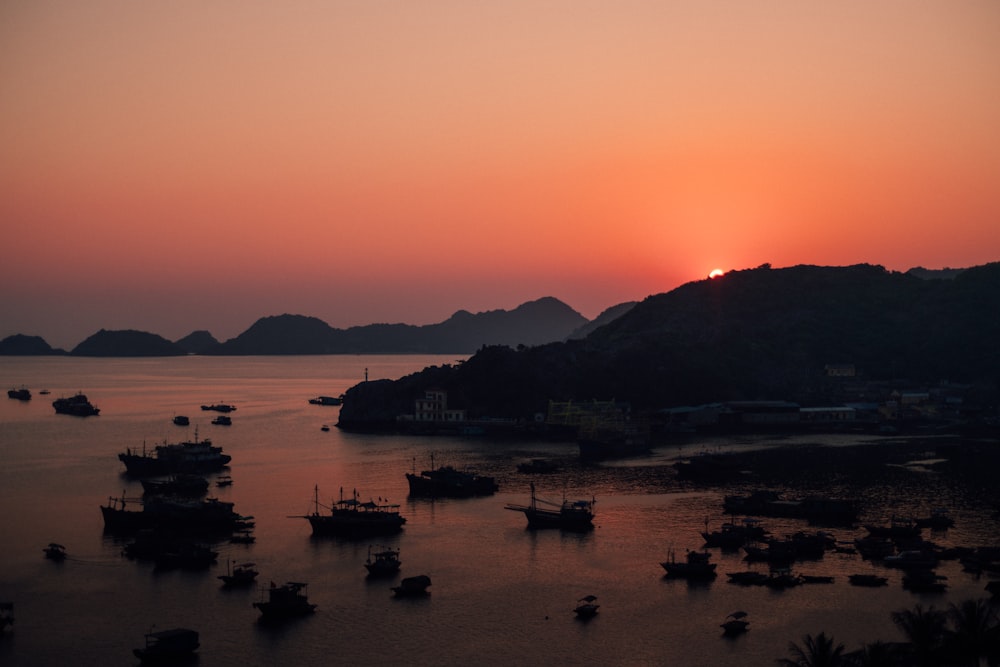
190,165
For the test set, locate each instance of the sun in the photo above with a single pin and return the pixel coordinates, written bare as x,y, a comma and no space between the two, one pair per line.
715,273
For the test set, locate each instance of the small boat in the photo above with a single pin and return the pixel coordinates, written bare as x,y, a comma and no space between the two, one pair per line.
243,574
45,392
224,480
735,624
22,394
181,420
168,645
382,562
324,427
326,400
243,537
219,407
285,601
897,528
78,406
55,552
869,580
694,566
586,607
6,615
924,581
569,515
413,586
732,535
223,420
815,579
747,578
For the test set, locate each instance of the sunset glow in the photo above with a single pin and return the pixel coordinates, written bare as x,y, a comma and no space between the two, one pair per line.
178,166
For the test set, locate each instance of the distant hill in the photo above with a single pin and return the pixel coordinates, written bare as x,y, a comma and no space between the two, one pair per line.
19,344
533,323
127,343
609,315
197,342
754,334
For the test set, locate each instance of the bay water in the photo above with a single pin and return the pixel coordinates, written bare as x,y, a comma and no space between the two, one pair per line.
500,594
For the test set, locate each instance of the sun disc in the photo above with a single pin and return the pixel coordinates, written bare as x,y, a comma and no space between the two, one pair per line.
715,273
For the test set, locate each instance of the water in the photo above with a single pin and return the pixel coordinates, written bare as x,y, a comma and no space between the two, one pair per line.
500,594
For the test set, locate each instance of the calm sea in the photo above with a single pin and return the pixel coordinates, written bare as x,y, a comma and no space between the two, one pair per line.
500,595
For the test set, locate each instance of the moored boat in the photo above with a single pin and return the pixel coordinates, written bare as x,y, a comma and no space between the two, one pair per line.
55,552
696,565
22,394
350,517
197,456
285,601
412,586
219,407
168,645
184,517
568,515
586,607
223,420
382,562
447,482
181,420
183,484
326,400
242,574
869,580
78,406
735,624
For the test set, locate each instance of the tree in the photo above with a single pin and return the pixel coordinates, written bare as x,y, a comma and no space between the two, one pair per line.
975,633
818,651
925,630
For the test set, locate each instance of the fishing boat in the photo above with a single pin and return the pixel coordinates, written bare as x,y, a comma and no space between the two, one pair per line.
567,515
286,601
732,535
219,407
223,420
586,607
694,566
383,561
447,482
22,394
224,480
184,484
184,517
351,517
869,580
326,400
735,624
168,645
243,574
77,405
181,420
55,552
197,456
413,586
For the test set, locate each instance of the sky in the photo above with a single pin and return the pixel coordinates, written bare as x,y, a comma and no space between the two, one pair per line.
191,165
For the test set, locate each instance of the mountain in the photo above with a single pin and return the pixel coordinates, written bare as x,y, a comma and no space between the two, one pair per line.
609,315
533,323
127,343
197,342
22,345
755,334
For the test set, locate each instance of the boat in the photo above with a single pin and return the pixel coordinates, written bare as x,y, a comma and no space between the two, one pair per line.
870,580
351,517
197,456
21,394
180,516
735,624
45,392
224,480
898,528
55,552
6,615
938,519
694,566
324,427
816,579
219,407
924,581
181,420
568,515
285,601
243,574
537,466
413,587
911,559
168,645
732,535
447,482
77,405
614,438
383,561
747,578
782,578
586,607
182,484
326,400
223,420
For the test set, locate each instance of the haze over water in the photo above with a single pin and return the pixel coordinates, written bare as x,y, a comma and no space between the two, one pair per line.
500,595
